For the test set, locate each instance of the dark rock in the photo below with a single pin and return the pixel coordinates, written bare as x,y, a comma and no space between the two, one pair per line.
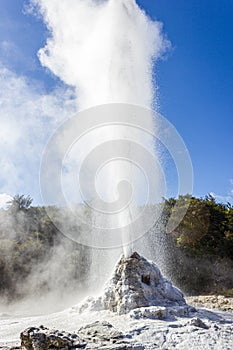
197,322
98,335
42,339
102,333
135,255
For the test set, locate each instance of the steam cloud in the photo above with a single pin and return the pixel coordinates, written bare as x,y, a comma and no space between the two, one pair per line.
105,49
28,116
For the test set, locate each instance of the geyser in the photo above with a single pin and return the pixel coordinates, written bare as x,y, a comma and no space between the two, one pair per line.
106,50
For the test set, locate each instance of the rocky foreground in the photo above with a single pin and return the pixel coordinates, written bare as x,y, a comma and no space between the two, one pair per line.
217,302
139,309
207,331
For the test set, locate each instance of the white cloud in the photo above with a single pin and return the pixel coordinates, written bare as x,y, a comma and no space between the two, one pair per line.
28,116
231,190
222,198
227,197
4,199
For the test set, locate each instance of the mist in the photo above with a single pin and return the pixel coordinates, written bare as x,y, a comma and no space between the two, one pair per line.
41,270
106,52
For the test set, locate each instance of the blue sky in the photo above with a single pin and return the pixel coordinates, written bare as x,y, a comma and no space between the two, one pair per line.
196,85
195,80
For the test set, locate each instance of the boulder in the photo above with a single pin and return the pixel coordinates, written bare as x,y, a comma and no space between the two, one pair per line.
42,338
102,333
197,322
98,335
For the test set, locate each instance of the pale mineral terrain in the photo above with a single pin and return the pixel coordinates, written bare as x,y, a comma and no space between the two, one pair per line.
139,309
219,302
203,329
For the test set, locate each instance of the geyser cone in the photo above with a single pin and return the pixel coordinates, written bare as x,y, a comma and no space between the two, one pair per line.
136,283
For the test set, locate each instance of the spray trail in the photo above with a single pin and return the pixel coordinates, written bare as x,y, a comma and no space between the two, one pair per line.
106,50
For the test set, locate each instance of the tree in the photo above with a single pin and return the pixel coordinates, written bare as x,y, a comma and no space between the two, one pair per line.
20,202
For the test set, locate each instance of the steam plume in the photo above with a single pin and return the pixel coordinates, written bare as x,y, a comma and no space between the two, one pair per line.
105,49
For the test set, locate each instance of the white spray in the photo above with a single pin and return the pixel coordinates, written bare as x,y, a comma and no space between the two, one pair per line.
105,49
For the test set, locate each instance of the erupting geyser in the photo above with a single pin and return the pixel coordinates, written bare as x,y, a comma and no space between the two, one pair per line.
106,50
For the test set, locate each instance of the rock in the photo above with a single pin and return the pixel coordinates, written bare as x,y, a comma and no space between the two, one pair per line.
197,322
212,302
159,312
153,312
101,333
135,283
98,335
104,336
180,311
42,339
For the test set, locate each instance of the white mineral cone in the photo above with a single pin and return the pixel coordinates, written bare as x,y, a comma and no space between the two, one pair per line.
136,283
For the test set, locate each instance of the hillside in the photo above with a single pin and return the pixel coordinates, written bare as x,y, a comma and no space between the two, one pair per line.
35,258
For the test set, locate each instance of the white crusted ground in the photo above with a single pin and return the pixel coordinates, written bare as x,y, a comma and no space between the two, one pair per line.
144,306
176,333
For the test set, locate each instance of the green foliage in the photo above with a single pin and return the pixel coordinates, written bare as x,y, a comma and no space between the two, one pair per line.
28,242
200,249
207,227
